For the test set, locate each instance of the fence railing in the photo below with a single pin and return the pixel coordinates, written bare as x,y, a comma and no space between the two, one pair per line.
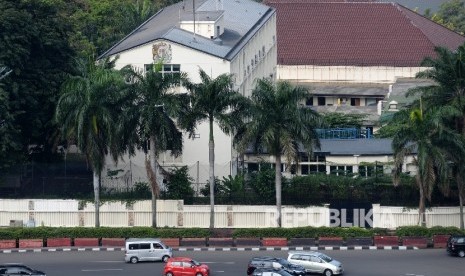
173,213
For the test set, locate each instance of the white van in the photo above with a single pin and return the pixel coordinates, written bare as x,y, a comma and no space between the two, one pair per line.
146,249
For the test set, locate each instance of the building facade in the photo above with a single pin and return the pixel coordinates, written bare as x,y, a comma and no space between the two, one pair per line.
217,36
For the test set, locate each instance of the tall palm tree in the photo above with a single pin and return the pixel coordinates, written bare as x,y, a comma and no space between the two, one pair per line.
150,114
423,136
214,100
279,124
447,71
88,111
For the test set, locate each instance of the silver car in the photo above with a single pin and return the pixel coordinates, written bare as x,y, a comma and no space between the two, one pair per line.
148,249
316,262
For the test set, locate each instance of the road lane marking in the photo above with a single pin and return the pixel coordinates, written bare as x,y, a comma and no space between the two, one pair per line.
218,262
107,262
93,270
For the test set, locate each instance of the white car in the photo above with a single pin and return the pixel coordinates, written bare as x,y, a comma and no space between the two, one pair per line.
316,262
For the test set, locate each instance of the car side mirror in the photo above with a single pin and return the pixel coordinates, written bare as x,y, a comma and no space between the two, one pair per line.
192,266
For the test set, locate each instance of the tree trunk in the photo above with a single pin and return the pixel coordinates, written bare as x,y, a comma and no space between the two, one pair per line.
421,207
96,182
211,161
461,197
278,190
153,180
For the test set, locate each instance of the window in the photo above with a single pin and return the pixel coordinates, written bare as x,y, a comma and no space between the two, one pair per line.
304,169
133,246
355,101
145,246
295,257
252,167
171,68
309,101
157,246
321,101
165,69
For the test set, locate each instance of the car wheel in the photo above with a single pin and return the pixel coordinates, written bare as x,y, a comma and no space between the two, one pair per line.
198,274
328,272
165,258
461,253
134,260
169,274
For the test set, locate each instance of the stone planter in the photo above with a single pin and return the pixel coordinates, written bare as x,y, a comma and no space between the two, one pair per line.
274,242
86,242
58,242
359,241
420,242
119,242
330,241
7,244
440,241
220,242
386,240
30,243
242,242
198,242
171,242
301,242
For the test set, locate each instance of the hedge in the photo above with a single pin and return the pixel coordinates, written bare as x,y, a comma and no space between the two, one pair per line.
140,232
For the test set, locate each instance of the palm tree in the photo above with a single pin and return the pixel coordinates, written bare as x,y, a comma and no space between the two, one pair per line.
423,136
88,111
447,71
149,116
278,124
214,100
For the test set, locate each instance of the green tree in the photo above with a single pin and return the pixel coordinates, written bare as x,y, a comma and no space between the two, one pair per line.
341,120
8,145
422,136
88,111
279,125
451,14
179,185
447,71
152,107
34,44
214,100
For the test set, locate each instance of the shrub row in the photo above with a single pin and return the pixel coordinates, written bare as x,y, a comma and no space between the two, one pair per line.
102,232
136,232
419,231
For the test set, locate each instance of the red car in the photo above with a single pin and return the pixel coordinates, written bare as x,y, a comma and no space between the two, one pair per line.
182,266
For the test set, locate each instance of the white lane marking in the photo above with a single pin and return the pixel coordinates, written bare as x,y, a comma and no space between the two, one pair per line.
92,270
218,262
220,271
107,262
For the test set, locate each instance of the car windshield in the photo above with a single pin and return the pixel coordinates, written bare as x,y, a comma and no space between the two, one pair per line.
195,263
325,258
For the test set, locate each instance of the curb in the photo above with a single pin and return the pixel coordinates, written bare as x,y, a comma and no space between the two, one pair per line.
183,249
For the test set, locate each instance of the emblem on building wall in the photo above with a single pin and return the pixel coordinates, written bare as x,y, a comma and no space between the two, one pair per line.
161,51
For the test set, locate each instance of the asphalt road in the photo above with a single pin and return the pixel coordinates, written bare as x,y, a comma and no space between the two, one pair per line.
427,262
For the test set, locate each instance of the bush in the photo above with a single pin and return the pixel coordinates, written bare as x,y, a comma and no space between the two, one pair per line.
420,231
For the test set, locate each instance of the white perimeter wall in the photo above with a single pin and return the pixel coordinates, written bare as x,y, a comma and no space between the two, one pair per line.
173,213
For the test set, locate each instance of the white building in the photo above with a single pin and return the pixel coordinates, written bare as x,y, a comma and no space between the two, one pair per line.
355,57
219,36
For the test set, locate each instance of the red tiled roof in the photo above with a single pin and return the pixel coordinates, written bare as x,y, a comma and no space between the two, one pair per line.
338,32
